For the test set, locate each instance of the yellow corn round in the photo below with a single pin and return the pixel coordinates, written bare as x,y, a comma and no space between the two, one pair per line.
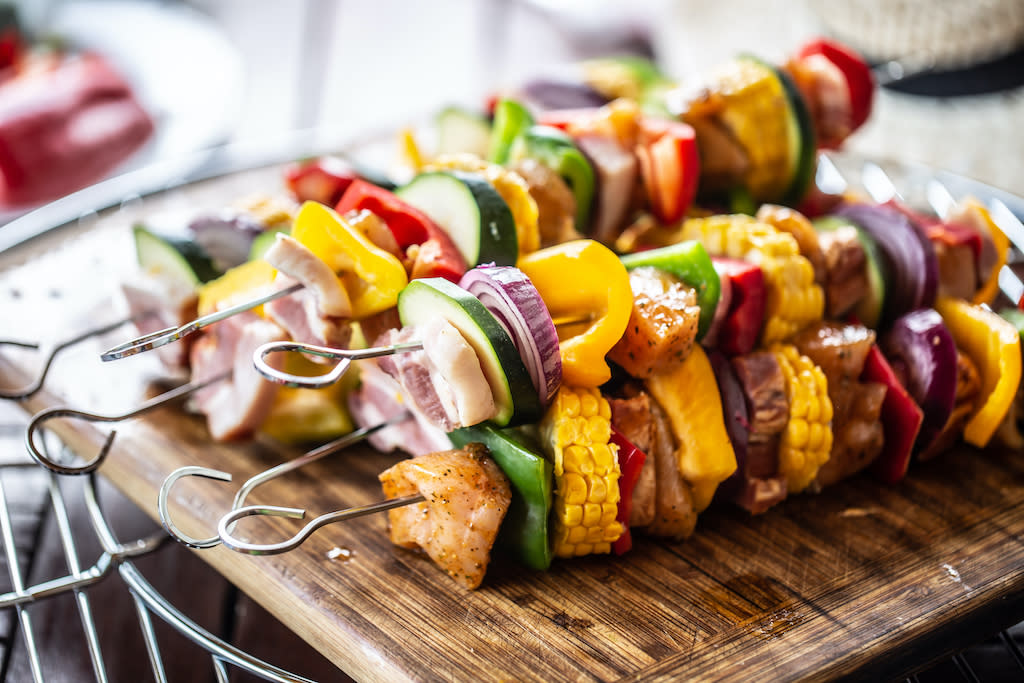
575,430
793,300
806,443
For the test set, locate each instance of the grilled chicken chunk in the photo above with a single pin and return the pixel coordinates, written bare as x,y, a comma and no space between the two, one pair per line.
840,350
675,516
467,496
632,417
846,275
237,406
662,325
556,205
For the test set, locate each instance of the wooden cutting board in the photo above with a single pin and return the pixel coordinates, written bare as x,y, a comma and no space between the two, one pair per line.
863,579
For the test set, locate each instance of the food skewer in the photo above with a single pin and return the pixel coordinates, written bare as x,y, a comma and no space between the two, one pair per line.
345,356
43,416
252,482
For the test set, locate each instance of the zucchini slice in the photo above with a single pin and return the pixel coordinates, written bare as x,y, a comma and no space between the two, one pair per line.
515,397
803,145
462,131
470,210
178,261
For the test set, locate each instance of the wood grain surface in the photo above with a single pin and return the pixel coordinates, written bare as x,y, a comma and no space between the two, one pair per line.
862,580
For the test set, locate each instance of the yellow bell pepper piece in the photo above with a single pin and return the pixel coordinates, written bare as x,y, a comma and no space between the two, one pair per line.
241,283
372,276
994,345
584,283
688,393
310,415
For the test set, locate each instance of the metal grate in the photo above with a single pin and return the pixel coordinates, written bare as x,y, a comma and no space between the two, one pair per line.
115,558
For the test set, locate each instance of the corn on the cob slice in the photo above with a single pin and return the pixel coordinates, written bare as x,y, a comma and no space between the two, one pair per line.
273,212
806,442
793,300
756,111
576,430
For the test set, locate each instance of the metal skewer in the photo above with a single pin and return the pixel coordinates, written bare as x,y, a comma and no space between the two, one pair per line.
227,522
53,413
312,456
148,342
37,383
344,356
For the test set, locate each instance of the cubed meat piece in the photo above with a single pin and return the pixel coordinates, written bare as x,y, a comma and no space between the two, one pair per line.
662,325
466,497
846,279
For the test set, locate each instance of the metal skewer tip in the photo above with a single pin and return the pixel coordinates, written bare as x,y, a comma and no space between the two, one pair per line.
153,340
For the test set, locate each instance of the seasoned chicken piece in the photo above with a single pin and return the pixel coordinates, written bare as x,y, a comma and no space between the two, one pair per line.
616,170
632,417
294,259
378,399
858,438
556,205
675,516
237,406
846,274
840,350
662,325
827,96
467,496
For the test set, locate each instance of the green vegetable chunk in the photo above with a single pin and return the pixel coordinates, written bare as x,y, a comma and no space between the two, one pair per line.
689,262
524,533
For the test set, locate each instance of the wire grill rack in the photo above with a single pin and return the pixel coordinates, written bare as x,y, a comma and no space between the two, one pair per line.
1000,657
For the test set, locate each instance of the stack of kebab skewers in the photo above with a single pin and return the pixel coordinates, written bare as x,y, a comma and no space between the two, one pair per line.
553,286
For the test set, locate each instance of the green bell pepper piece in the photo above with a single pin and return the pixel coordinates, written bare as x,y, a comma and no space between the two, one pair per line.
689,262
556,150
524,531
511,119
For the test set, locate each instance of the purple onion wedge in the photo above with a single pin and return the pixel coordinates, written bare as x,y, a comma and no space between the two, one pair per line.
562,94
912,264
737,422
922,353
513,300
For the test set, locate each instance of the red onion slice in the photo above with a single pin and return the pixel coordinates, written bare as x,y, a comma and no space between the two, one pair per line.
510,296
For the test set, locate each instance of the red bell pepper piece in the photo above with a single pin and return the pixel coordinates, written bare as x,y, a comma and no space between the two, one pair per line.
437,255
631,461
742,325
670,166
11,50
901,419
322,179
64,127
